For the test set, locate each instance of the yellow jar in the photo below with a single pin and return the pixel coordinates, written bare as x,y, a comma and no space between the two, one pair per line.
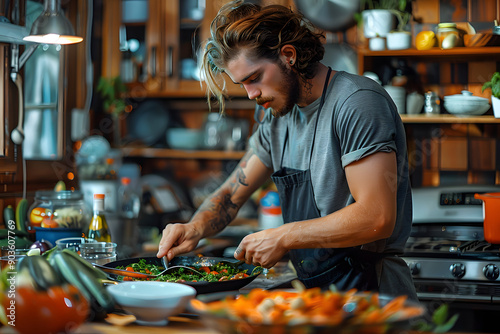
447,35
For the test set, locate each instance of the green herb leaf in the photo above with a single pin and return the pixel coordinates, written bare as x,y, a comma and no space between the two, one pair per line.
440,314
447,325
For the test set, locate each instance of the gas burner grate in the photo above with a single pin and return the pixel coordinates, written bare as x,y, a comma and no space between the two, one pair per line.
478,246
431,245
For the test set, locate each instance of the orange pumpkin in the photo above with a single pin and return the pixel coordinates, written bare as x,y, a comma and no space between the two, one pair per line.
37,215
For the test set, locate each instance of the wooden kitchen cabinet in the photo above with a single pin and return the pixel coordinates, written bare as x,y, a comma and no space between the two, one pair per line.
171,36
9,152
167,65
445,148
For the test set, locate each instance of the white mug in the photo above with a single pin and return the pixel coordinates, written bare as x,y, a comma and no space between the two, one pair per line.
414,103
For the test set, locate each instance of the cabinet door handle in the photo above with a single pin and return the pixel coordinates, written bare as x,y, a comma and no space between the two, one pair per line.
153,62
170,62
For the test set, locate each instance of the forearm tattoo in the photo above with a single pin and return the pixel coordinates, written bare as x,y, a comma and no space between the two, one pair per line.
221,208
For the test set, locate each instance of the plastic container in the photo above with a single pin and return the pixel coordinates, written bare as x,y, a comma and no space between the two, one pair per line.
130,201
270,215
53,234
491,216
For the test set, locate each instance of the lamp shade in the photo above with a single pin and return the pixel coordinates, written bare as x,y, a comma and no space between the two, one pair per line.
52,27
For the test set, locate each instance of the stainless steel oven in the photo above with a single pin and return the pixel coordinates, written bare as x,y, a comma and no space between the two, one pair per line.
449,260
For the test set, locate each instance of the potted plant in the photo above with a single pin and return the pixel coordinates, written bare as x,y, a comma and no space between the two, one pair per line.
494,85
399,38
111,91
377,17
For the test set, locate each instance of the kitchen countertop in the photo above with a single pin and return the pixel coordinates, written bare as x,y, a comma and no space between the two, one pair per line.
279,277
177,325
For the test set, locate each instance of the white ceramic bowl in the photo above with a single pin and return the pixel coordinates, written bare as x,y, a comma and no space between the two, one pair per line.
466,104
152,302
184,139
464,109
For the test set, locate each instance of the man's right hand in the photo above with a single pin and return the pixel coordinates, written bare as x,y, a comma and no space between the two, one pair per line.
178,239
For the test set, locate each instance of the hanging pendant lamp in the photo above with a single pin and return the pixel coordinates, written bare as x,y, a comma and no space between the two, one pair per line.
52,27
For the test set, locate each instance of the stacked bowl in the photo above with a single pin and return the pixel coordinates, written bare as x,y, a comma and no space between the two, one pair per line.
466,104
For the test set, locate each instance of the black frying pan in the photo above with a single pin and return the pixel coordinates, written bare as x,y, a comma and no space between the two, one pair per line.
201,287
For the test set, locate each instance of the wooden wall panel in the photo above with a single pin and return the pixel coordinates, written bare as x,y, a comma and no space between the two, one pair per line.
453,154
453,11
485,10
482,154
426,11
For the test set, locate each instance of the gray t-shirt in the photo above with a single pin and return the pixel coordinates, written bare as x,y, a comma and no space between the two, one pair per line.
358,119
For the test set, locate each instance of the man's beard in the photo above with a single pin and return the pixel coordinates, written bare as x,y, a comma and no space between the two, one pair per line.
290,91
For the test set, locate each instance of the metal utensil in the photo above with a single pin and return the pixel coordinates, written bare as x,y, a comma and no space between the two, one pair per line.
208,263
122,272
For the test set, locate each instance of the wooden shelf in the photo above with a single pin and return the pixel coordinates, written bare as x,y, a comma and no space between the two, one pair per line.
458,51
149,152
445,118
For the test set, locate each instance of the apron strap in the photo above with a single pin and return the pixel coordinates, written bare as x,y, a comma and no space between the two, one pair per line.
321,103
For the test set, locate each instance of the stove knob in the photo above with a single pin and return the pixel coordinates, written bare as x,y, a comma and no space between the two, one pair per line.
491,271
414,268
457,270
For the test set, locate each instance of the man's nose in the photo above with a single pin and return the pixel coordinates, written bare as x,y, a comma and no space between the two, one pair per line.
252,92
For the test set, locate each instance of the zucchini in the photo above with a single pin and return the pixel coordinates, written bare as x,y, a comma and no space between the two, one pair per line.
19,242
97,289
41,271
84,278
8,215
21,214
69,273
4,233
97,273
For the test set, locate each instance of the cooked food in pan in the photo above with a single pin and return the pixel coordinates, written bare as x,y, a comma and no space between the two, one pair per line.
216,273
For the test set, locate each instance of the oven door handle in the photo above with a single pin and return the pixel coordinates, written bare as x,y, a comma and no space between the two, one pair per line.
454,297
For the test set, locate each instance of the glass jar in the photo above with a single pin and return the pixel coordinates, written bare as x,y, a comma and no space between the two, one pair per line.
58,209
448,35
432,103
98,252
215,132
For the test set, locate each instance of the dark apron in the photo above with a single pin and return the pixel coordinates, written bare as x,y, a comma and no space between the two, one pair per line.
347,268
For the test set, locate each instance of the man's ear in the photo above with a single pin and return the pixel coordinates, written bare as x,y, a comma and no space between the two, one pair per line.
288,54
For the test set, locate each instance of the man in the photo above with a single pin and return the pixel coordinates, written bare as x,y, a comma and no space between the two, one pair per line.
332,142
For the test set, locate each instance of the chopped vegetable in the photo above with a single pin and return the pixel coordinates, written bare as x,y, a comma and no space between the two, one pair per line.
311,307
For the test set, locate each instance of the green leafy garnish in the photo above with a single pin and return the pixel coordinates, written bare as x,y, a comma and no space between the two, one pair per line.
440,322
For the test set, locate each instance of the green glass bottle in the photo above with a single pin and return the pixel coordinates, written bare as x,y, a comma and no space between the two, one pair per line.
98,228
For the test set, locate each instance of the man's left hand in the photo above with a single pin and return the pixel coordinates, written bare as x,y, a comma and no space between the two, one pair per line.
262,248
